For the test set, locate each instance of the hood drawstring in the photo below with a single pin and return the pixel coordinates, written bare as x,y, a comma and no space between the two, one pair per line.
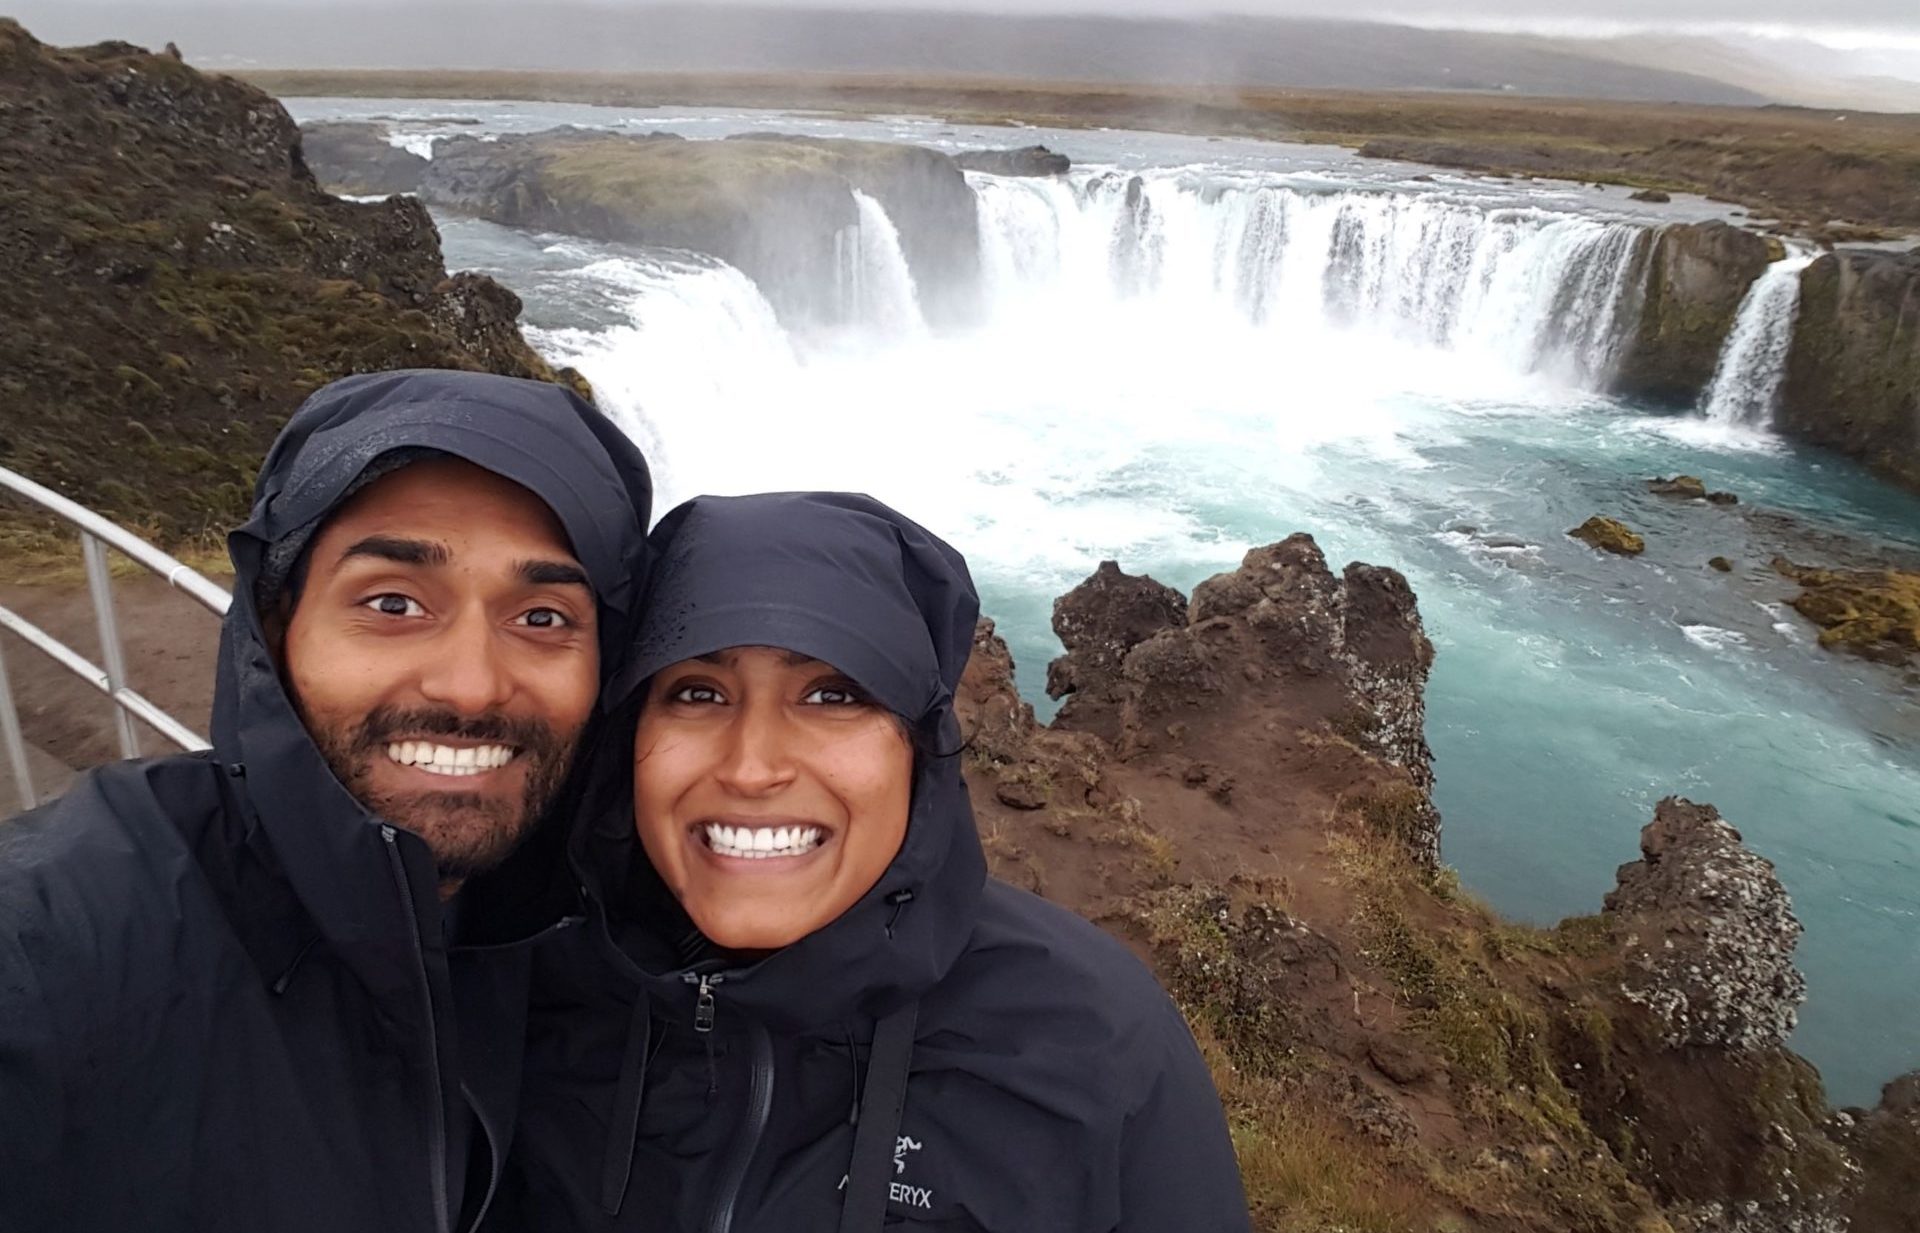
853,1060
280,983
876,1135
624,1134
899,900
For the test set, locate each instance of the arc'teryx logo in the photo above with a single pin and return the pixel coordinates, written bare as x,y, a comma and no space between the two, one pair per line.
913,1196
901,1192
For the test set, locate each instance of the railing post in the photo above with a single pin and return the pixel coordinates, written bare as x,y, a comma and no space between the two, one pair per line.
11,737
111,656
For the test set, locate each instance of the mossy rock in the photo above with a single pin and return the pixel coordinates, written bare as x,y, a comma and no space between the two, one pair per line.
1609,535
178,283
1872,613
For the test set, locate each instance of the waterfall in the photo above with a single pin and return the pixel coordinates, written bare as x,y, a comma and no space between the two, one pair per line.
877,288
1530,289
1753,361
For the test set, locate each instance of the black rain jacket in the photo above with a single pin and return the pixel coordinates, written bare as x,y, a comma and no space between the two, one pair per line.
226,1000
1050,1085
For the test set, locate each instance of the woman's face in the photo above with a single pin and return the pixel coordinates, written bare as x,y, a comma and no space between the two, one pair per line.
769,792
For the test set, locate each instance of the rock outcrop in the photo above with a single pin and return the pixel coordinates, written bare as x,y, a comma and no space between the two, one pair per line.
1711,934
779,208
174,282
1238,784
1157,678
1853,373
356,157
1609,535
1872,613
1689,281
1025,161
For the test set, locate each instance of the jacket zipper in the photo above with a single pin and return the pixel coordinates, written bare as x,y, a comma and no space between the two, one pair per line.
759,1102
437,1129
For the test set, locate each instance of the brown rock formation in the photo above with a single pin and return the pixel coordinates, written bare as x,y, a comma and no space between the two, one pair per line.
1609,535
173,283
1712,934
1873,613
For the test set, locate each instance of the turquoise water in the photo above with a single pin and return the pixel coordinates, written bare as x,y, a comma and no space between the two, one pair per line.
1175,429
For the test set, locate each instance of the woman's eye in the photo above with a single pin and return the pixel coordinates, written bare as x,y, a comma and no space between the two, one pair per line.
834,695
545,618
393,604
695,694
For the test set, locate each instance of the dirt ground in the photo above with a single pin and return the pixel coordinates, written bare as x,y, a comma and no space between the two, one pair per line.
171,646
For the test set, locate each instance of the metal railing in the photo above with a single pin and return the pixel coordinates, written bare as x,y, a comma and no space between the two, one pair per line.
97,534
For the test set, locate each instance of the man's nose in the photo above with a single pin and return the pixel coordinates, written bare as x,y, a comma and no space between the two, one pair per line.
466,670
757,758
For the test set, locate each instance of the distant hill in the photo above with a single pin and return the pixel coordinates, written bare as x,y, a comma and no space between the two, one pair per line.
1232,51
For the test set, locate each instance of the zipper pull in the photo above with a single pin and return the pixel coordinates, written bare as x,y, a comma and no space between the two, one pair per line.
703,1001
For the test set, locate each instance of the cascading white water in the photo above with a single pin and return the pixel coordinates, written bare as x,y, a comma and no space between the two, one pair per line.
1753,361
1531,289
877,288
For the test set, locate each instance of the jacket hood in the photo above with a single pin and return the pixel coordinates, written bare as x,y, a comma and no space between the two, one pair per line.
848,581
542,437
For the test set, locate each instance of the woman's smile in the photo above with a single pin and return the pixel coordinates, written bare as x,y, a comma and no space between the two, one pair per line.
766,846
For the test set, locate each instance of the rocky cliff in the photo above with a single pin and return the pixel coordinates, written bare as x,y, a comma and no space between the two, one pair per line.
1853,374
1239,783
1688,281
174,282
777,207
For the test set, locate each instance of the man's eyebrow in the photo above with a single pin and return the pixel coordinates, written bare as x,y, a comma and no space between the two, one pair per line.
400,551
552,574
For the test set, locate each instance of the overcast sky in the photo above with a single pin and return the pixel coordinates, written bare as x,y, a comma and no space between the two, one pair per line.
1891,15
1877,36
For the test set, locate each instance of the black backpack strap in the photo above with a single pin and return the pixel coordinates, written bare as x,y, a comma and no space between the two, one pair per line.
875,1136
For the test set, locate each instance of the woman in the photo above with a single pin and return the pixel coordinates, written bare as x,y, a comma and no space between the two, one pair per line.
800,1003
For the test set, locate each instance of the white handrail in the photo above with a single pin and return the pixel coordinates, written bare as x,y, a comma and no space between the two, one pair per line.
181,577
96,534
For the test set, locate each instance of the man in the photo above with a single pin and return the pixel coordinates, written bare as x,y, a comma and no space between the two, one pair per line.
281,985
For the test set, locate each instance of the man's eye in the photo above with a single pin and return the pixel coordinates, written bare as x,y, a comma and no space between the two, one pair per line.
545,618
392,604
696,694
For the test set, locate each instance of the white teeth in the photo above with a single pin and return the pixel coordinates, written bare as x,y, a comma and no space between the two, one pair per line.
748,843
447,760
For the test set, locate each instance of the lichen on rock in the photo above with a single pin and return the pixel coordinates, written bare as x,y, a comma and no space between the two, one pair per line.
1872,613
1710,933
1609,535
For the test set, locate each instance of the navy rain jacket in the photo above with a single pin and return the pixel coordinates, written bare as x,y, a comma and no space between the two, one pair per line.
1050,1084
226,1000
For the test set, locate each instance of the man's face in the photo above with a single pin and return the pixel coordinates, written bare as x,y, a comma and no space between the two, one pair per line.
444,655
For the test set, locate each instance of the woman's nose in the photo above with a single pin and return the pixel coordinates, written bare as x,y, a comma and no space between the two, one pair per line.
757,758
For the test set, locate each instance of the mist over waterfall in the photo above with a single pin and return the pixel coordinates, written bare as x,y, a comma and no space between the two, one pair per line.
1753,362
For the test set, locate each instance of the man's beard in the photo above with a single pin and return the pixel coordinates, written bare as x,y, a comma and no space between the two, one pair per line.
468,833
